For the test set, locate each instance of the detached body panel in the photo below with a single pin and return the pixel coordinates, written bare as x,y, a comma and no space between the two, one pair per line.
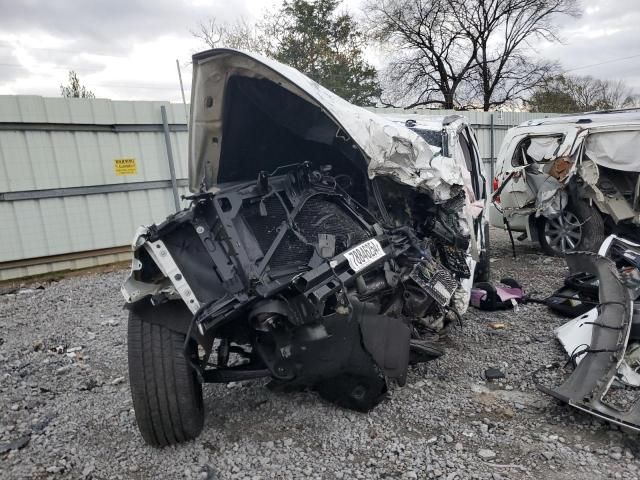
603,343
591,380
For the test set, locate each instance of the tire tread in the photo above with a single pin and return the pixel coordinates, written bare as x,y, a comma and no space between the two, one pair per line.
167,397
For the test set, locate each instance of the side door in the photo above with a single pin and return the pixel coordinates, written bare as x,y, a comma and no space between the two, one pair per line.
462,147
471,152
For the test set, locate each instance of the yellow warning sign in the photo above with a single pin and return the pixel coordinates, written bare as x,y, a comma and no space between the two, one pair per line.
125,166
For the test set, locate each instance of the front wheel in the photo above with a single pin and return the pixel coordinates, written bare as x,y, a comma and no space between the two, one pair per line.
167,396
578,227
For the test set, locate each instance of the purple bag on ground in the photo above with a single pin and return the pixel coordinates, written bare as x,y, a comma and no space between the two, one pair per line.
508,294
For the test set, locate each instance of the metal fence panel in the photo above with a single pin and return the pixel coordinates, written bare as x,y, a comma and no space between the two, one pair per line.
60,194
55,226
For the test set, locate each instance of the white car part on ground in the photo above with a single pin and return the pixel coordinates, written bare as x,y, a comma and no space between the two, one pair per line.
576,334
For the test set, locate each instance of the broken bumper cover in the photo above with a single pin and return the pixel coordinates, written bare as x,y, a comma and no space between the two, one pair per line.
591,380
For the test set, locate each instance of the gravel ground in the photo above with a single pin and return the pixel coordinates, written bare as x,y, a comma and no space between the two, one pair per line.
73,413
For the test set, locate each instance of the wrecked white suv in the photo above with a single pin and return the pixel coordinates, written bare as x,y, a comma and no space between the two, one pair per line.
325,247
569,181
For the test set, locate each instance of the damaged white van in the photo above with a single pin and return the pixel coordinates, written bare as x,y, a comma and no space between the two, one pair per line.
569,181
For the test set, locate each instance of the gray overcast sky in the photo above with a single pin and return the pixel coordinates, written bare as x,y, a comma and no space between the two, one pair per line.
126,49
608,30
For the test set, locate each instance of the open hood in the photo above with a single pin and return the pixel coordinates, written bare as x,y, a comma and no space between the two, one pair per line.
252,114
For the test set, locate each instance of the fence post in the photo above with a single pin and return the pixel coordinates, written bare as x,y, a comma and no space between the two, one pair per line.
492,153
172,169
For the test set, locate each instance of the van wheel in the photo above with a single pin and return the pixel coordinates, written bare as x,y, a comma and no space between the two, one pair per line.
167,396
579,228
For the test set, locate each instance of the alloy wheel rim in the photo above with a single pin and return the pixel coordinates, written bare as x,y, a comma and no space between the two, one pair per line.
563,233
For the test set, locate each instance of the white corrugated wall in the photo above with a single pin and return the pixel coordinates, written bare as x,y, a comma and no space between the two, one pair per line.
39,160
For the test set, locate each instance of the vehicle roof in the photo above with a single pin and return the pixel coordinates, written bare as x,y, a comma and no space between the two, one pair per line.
425,122
591,119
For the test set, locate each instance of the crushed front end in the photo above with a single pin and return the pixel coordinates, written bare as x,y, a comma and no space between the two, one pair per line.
292,278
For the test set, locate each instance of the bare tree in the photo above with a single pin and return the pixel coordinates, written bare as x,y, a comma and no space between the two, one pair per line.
504,30
568,94
74,89
586,91
260,37
633,101
616,94
514,81
466,53
433,55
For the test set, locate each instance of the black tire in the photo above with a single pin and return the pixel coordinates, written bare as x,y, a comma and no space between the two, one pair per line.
482,272
167,396
584,229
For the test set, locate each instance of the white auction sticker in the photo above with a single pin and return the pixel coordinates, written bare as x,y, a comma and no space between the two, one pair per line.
364,254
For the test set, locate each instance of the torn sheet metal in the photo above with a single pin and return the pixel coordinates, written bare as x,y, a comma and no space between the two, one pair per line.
561,168
387,148
593,376
436,175
589,172
551,197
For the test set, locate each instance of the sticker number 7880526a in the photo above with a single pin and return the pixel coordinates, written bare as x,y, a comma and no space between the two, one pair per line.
365,254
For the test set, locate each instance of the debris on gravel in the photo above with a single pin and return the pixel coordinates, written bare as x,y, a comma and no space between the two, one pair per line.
16,444
67,411
493,374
